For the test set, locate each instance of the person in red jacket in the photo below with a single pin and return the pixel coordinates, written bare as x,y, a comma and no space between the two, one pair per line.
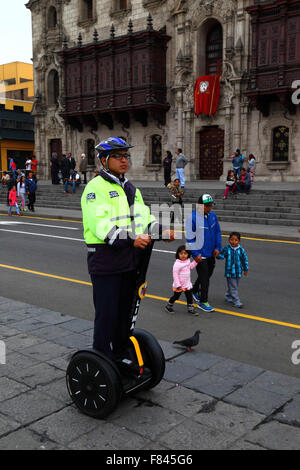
13,201
34,165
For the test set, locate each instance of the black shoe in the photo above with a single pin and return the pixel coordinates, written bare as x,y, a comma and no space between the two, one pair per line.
169,308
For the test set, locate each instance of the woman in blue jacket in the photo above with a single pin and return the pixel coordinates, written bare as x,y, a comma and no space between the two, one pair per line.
203,235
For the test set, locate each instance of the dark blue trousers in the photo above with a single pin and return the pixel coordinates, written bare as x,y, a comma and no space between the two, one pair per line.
113,299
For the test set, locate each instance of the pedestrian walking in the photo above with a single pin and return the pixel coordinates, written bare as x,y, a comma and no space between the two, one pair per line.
34,165
83,166
21,191
230,183
10,183
54,165
67,164
176,200
236,263
31,187
167,164
117,225
237,163
181,162
251,167
13,167
182,280
28,164
13,202
203,235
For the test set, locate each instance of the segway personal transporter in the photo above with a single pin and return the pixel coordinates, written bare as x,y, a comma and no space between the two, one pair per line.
96,384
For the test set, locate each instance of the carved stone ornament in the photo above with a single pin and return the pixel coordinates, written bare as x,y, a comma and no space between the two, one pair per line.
176,6
188,96
217,8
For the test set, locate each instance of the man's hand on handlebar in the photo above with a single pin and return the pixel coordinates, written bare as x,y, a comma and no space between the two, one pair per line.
142,241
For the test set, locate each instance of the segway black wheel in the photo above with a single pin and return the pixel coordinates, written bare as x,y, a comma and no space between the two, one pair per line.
93,384
153,356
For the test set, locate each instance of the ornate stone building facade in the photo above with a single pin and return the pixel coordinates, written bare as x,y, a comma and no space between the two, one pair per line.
128,68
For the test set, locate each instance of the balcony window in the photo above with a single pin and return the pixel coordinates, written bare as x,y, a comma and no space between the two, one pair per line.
214,50
53,87
52,17
87,10
280,144
156,149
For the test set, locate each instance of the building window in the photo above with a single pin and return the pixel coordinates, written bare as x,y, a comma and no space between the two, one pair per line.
156,149
10,81
53,87
52,17
87,10
281,144
214,50
119,5
90,150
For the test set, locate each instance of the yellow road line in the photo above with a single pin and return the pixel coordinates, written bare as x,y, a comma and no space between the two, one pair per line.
235,314
53,276
155,297
45,218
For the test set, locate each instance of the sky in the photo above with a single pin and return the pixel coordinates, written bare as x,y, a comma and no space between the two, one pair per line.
15,32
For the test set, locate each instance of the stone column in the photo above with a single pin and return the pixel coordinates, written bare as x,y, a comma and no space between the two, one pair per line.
179,101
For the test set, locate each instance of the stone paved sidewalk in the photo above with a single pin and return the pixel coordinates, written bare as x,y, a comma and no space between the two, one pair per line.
203,402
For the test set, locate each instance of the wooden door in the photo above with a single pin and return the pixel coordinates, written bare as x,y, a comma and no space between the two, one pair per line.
56,146
211,153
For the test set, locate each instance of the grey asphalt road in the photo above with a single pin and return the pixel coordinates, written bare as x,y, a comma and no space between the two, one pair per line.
270,293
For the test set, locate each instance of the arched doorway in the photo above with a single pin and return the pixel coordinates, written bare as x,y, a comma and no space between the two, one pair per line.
211,153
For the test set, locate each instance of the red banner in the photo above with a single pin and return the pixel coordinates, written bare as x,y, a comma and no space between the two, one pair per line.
207,94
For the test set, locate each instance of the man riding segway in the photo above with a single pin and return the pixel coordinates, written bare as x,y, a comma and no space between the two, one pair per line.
118,227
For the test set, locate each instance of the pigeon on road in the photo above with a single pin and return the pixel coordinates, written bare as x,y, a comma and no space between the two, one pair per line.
189,342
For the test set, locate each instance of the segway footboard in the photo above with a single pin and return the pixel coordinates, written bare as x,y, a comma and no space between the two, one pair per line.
94,383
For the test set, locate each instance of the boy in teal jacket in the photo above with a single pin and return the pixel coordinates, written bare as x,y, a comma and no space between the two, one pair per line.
236,263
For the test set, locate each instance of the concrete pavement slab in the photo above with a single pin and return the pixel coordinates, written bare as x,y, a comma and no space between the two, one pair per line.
191,435
257,399
29,407
274,435
229,418
290,413
203,402
108,436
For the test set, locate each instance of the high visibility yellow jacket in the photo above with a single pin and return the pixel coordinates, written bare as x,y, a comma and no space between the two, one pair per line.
112,217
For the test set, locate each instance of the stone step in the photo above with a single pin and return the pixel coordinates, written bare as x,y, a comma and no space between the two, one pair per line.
260,215
246,220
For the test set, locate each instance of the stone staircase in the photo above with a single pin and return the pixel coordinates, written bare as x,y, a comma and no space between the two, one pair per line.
267,207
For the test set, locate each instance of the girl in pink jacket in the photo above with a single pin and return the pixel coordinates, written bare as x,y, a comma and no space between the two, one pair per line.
12,197
182,280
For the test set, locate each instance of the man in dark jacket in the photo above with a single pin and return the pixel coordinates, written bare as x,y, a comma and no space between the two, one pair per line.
68,163
167,163
54,164
31,187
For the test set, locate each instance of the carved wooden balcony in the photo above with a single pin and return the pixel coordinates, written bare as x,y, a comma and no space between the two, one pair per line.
275,58
116,79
